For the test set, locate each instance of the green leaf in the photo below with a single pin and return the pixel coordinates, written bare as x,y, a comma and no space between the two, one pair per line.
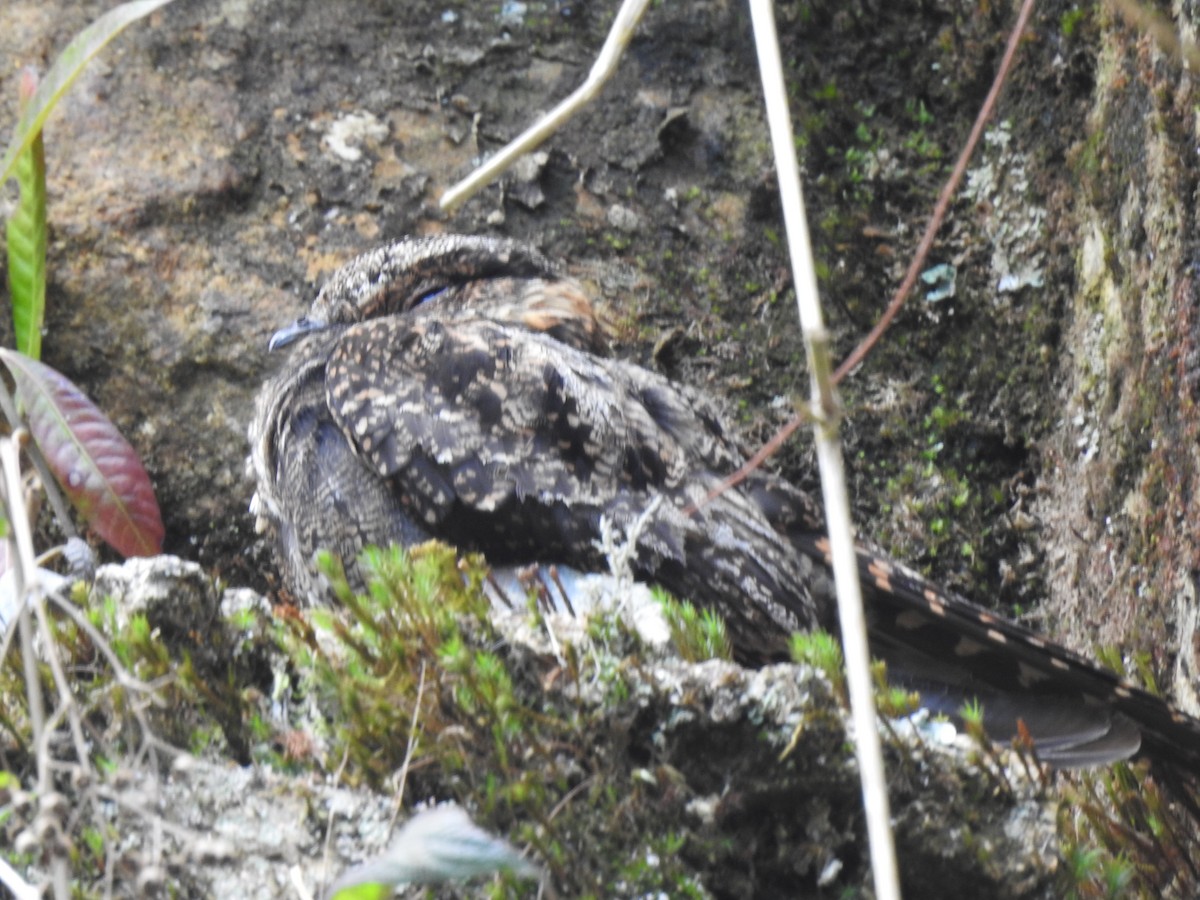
97,468
26,232
66,69
373,891
435,846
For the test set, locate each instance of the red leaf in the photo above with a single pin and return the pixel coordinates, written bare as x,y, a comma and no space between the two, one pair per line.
97,468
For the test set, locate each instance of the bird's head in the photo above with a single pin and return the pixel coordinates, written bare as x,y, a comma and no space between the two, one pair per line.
459,274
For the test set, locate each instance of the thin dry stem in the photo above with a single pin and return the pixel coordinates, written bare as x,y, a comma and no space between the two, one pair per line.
826,410
61,513
618,38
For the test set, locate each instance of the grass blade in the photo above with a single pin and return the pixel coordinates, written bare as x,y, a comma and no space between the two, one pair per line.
26,232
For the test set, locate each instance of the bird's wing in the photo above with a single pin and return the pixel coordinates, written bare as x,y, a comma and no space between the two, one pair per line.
505,440
494,413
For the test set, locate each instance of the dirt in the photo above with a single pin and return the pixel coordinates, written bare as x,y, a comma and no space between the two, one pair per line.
1028,439
198,204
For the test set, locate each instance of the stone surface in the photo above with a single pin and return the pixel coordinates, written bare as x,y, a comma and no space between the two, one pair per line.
1019,446
754,767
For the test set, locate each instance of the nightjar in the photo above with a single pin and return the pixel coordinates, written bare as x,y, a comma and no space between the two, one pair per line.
459,388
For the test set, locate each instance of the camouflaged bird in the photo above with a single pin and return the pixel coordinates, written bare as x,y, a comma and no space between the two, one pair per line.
459,388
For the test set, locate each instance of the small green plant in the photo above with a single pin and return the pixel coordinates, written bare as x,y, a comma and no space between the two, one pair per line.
435,845
407,681
653,871
1071,20
971,716
1129,830
892,701
823,652
131,700
1142,671
422,621
696,634
1124,836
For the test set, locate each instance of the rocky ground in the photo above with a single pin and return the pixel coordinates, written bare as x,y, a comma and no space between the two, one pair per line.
1027,438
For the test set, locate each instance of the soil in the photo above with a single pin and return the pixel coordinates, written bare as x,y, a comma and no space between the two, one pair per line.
1025,437
198,201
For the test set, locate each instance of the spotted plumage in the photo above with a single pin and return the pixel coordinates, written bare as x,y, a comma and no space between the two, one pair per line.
459,388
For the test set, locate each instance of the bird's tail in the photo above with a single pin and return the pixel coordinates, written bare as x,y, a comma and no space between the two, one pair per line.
1078,712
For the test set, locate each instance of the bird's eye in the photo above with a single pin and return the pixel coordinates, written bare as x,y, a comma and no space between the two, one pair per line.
428,295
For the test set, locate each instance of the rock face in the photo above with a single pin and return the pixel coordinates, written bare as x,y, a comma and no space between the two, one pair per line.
204,187
748,774
1030,434
1122,464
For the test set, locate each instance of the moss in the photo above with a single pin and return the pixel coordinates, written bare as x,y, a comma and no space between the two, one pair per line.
1102,812
697,634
